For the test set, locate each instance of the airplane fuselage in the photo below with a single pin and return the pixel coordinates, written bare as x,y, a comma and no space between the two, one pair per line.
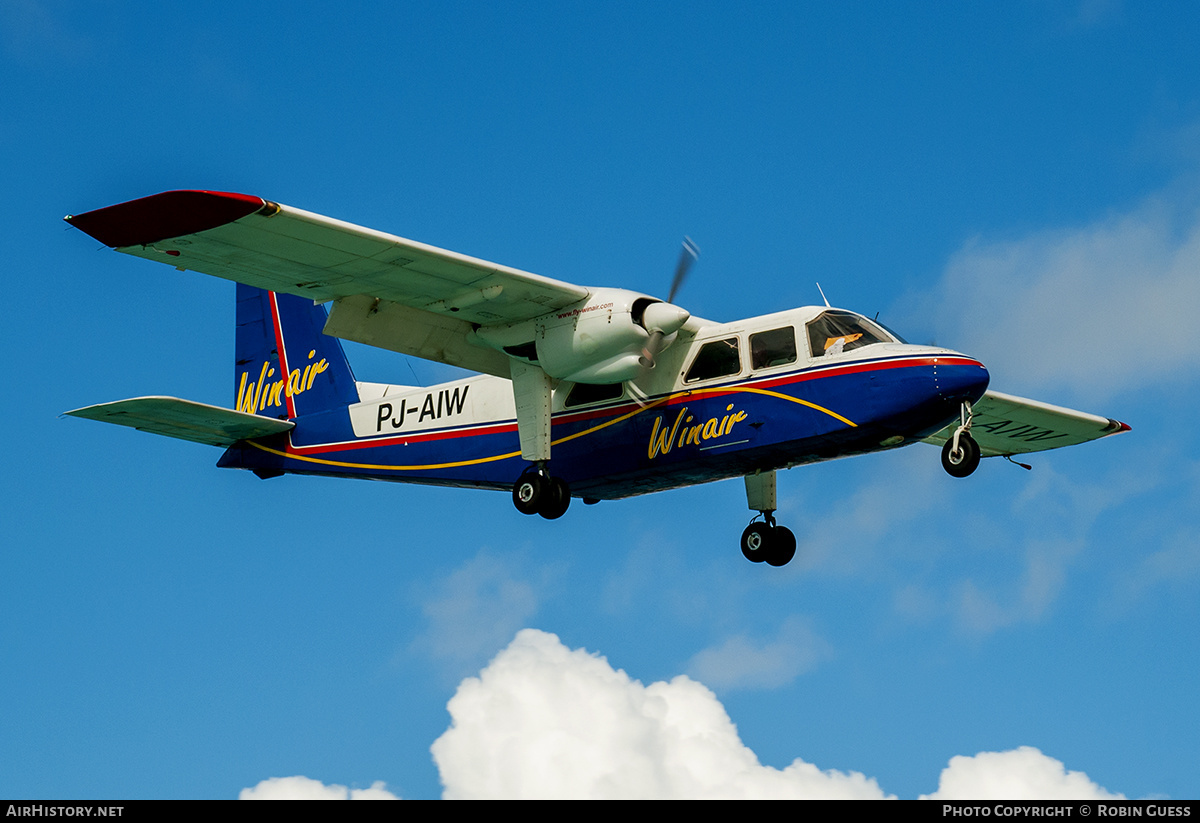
686,422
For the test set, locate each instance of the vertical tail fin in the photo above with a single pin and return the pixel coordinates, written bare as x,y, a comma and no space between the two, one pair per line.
285,366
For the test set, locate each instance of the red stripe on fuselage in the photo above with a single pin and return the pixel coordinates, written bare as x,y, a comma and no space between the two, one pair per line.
404,440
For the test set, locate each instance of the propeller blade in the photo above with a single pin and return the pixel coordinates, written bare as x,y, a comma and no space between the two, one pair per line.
687,257
651,350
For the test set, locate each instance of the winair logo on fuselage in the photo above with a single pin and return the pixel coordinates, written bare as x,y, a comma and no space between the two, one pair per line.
265,393
682,433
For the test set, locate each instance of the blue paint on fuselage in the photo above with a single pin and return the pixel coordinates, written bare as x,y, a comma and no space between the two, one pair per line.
693,435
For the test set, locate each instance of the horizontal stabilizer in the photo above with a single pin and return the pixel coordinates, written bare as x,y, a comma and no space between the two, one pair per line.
185,419
1004,425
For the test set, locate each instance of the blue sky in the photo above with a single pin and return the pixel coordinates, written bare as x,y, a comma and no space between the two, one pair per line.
1017,181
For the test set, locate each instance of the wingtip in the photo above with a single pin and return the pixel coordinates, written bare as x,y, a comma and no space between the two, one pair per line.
165,215
1117,427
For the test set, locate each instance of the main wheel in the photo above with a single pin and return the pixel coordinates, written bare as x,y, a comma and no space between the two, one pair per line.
782,547
556,499
965,460
529,491
756,542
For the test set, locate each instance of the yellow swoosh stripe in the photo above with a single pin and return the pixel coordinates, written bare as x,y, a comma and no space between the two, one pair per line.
479,460
770,393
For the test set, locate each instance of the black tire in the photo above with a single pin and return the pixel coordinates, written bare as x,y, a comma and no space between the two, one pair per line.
556,499
782,546
967,459
528,492
756,542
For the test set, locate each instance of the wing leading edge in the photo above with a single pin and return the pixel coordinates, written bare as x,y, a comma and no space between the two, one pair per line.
1005,425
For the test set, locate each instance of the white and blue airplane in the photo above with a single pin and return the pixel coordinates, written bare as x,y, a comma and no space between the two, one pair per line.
594,393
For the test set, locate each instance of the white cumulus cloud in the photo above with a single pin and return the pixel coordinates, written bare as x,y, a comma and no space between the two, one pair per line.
543,721
1021,774
305,788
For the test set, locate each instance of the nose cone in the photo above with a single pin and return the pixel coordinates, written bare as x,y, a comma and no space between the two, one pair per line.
957,378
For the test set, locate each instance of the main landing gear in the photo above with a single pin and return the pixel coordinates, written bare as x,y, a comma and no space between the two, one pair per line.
536,492
960,455
767,542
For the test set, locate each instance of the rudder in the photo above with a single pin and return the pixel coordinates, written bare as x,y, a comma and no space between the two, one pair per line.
314,374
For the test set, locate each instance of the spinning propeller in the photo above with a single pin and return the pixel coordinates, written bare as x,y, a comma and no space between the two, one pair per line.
687,256
663,319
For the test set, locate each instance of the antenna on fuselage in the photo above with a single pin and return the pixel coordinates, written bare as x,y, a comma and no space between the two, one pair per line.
823,297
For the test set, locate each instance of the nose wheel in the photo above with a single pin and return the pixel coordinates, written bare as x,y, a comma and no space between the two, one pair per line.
960,455
768,543
536,492
962,461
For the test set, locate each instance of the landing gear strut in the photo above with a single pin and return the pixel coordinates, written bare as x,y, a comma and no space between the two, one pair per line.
536,492
960,455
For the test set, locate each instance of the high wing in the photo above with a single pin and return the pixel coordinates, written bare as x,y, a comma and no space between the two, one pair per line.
185,420
1004,425
438,296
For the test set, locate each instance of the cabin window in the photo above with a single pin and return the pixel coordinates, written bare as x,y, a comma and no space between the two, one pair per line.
716,359
584,393
835,332
773,348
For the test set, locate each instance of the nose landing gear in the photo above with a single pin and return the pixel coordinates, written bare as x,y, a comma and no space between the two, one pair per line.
960,455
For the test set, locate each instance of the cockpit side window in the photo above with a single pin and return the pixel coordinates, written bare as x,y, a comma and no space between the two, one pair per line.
716,359
772,348
834,332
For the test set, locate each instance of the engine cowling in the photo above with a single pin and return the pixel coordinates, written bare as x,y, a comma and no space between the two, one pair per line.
600,340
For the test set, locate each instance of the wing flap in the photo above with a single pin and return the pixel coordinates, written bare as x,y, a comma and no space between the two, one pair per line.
1004,425
184,419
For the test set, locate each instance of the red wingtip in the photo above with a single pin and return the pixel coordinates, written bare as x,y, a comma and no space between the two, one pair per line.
161,216
1116,427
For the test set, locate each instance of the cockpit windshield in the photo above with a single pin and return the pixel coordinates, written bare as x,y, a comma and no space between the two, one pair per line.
835,331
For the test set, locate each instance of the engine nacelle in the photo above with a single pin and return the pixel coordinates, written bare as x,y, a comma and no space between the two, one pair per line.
599,340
